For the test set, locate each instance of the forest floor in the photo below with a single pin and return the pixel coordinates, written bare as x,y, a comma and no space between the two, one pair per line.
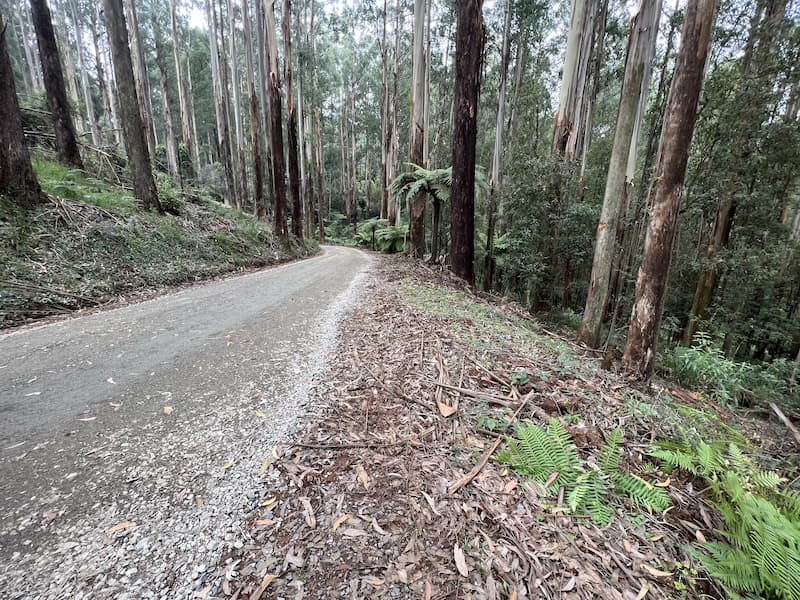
391,489
89,245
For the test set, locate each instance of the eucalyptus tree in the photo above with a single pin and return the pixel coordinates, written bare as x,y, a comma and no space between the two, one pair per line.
17,179
291,120
665,194
417,133
635,85
144,187
65,140
469,49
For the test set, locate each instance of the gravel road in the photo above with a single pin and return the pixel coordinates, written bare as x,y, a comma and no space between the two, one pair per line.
131,439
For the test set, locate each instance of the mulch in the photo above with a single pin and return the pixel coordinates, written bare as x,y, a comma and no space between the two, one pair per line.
374,498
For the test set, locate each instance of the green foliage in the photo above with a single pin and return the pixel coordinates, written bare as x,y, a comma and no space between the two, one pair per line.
379,235
762,524
705,366
549,455
435,183
170,196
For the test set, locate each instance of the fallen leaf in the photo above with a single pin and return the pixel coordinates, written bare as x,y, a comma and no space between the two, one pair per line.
643,592
228,464
446,410
86,419
261,413
168,410
461,561
264,522
121,526
378,528
275,452
263,587
264,465
198,500
269,501
655,572
339,521
569,586
310,520
428,590
363,477
375,581
700,537
663,484
353,532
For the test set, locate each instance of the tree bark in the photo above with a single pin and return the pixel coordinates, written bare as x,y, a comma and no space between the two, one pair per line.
17,179
291,120
276,127
186,132
220,106
568,126
91,118
665,195
255,119
66,142
243,196
416,217
385,138
142,80
469,50
144,187
497,160
169,133
641,40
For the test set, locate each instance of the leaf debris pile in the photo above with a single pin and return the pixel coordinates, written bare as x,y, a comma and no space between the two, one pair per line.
389,490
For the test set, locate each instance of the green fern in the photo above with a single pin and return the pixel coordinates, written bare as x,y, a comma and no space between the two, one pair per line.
550,455
762,527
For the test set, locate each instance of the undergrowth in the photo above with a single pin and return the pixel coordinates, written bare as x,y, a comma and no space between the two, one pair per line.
550,458
90,243
705,366
760,554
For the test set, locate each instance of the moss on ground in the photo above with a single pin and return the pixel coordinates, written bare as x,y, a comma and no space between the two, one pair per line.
90,243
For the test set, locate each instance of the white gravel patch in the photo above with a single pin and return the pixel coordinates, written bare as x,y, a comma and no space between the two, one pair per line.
186,481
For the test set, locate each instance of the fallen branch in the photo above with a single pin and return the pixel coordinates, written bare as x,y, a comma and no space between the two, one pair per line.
501,400
399,444
786,421
486,455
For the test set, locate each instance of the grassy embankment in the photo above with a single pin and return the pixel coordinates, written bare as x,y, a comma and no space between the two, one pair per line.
90,244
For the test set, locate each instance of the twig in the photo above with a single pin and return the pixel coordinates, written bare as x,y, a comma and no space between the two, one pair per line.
786,421
501,400
392,389
399,444
486,455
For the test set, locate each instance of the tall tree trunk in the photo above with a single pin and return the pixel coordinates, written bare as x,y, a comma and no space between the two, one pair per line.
291,120
142,80
306,196
190,105
416,216
641,41
276,128
109,111
65,48
30,73
393,212
169,133
186,132
66,143
665,195
320,180
599,37
144,187
243,196
17,179
220,105
385,138
91,118
469,50
255,119
494,182
568,125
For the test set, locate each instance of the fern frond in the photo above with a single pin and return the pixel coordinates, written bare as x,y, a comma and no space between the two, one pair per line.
609,456
641,494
